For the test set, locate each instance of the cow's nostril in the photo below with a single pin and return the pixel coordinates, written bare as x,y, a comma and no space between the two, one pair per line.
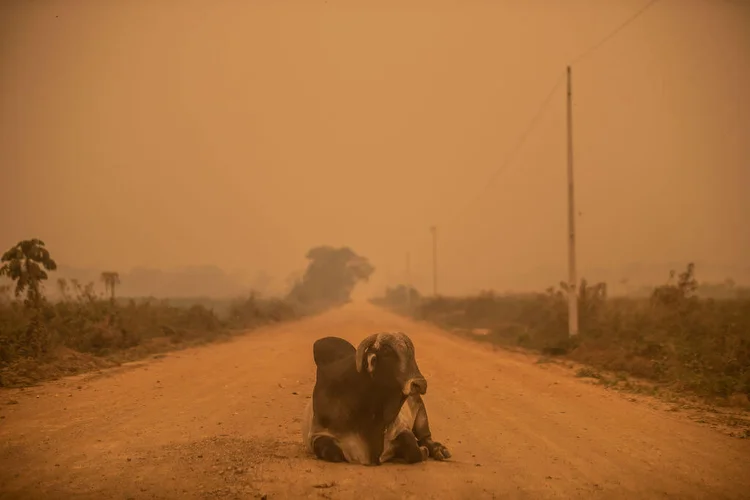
419,386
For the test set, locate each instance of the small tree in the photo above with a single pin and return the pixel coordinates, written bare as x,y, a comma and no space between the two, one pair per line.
684,289
111,279
63,288
686,282
27,264
331,275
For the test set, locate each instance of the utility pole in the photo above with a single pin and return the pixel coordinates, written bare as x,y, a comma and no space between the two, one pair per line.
408,281
572,278
433,229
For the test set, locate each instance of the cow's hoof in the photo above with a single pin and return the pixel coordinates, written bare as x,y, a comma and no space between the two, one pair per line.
438,451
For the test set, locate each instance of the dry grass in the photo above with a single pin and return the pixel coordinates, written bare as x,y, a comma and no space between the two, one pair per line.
84,332
674,338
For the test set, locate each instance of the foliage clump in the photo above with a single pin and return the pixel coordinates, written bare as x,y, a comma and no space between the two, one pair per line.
330,277
27,263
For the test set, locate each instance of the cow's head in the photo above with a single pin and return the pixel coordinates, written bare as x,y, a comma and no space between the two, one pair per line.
389,360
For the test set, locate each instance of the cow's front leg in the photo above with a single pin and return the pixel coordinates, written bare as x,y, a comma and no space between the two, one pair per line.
409,449
424,436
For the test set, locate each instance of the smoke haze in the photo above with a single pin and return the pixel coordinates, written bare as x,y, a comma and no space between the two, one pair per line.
238,135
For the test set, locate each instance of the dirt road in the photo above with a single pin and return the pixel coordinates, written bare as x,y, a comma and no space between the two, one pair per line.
222,421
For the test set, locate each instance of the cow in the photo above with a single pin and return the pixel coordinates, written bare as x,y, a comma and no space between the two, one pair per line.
367,405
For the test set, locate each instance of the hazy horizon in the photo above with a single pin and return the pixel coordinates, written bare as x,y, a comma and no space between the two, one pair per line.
240,135
212,282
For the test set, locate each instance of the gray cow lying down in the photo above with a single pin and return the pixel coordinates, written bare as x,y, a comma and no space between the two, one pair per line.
367,405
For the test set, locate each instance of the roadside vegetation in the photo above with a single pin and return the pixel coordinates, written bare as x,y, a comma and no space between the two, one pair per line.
684,336
90,327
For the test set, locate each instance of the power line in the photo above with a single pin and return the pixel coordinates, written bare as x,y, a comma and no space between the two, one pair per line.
614,32
532,125
545,103
522,139
501,169
514,150
738,3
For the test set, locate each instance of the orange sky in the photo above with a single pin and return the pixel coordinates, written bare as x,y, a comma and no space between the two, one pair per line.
242,133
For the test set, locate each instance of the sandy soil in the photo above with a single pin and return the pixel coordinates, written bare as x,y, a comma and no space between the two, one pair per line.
222,421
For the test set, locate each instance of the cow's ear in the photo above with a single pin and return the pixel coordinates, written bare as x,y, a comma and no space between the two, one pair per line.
360,356
372,360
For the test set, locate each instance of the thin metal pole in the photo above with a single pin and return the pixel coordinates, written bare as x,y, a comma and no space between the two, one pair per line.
408,280
572,278
434,261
